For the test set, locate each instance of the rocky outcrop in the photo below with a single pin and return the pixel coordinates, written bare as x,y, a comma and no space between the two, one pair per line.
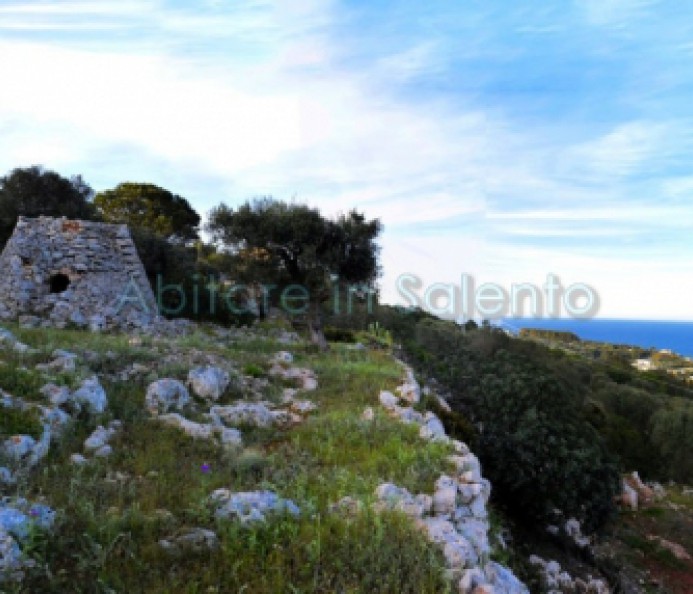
255,414
226,435
250,506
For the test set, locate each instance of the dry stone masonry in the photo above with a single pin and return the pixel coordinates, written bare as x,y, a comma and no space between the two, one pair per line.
82,273
455,516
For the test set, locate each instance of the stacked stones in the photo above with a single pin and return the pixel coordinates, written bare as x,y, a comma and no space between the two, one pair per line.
455,517
75,272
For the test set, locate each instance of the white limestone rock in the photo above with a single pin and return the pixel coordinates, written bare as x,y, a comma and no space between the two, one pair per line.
231,438
388,399
208,382
283,357
471,579
303,407
196,540
503,580
191,428
166,394
17,519
407,415
18,447
243,413
410,391
78,459
227,436
250,506
6,476
445,496
91,395
98,438
574,531
394,498
104,451
432,429
305,378
57,395
12,561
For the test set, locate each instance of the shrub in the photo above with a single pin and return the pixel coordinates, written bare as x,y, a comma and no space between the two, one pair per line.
540,454
339,334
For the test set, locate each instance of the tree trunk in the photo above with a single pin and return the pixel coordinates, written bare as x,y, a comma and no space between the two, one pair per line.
317,334
259,294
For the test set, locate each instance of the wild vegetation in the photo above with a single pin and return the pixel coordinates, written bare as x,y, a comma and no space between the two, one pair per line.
113,511
555,422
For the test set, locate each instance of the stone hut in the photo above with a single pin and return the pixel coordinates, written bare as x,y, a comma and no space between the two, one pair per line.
78,273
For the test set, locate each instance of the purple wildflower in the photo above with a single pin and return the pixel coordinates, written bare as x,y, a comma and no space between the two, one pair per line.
205,468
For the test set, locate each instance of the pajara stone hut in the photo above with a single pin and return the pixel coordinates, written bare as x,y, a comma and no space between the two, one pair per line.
74,272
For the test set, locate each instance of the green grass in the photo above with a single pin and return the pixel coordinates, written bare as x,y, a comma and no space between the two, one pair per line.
14,421
113,512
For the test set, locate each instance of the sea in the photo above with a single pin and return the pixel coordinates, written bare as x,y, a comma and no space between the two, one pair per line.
676,336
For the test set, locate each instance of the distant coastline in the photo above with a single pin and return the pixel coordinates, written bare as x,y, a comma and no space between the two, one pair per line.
676,336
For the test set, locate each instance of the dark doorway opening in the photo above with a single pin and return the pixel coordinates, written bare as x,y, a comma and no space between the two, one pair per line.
59,282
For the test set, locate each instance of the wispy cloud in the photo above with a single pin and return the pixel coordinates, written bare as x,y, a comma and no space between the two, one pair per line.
616,13
502,140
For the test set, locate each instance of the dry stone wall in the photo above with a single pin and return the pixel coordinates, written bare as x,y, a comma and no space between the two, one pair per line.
75,272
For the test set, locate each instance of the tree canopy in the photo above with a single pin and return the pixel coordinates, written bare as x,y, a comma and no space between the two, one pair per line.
34,191
148,207
294,244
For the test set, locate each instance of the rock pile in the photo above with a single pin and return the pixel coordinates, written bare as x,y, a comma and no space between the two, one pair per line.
226,435
97,444
250,506
281,367
557,581
24,451
635,493
455,516
18,517
209,383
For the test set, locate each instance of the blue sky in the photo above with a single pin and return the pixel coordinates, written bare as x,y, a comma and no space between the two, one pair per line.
504,142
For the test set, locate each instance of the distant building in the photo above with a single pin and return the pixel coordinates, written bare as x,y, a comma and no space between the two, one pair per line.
643,364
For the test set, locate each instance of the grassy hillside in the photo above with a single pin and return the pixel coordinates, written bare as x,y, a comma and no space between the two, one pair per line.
112,512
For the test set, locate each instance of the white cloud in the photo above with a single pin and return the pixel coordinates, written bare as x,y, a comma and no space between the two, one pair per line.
460,187
100,7
619,153
614,13
151,102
